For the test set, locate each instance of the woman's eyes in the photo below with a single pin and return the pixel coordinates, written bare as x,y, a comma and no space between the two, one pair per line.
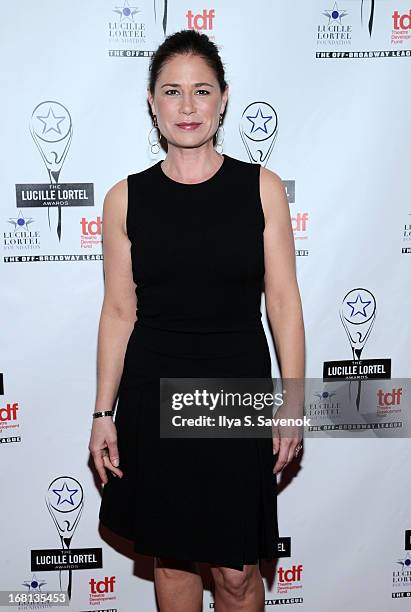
170,90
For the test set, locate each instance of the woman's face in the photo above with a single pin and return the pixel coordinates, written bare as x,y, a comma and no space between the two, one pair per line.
187,91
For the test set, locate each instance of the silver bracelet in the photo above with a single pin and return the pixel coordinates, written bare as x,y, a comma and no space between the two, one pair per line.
104,413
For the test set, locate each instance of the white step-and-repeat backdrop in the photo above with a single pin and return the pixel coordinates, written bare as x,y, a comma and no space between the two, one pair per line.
319,93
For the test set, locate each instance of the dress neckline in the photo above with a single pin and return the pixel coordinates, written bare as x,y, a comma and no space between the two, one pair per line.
209,180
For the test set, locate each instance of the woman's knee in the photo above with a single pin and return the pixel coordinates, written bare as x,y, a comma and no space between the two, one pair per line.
172,568
234,582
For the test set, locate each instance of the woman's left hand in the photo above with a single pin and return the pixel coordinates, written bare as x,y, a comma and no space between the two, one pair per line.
287,446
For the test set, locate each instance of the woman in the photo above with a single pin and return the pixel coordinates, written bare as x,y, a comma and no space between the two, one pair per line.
187,242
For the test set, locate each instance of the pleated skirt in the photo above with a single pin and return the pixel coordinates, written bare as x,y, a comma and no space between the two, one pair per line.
210,500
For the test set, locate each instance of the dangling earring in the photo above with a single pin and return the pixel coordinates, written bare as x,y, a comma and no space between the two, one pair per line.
220,136
154,143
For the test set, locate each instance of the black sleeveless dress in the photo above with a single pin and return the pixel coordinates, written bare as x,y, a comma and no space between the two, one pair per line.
198,262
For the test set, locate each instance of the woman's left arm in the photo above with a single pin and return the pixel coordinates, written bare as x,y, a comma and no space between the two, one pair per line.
282,296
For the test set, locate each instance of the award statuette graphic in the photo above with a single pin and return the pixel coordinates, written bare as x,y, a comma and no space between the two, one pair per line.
52,130
65,502
258,130
357,313
371,14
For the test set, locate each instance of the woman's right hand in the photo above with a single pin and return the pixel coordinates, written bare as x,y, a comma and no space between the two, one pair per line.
103,447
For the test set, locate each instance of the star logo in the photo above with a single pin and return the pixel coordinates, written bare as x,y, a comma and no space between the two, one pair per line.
259,121
325,395
20,222
406,562
34,584
65,494
126,11
335,15
51,122
359,306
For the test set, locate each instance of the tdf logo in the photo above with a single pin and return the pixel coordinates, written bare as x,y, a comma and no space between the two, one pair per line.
91,228
292,574
401,22
200,21
102,586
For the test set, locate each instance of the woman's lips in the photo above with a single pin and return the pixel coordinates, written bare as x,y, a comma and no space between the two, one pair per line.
188,126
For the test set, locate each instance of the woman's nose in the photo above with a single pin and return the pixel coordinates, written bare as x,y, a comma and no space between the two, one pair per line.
187,103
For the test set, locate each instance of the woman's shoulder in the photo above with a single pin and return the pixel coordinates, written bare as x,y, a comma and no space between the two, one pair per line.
115,200
271,178
118,189
273,194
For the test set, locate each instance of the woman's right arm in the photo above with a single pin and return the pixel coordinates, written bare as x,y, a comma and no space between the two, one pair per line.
118,315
